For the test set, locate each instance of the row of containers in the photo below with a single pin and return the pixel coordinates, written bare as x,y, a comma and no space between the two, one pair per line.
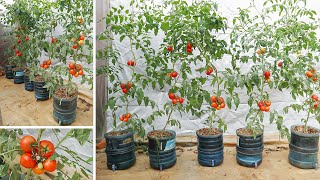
64,110
120,150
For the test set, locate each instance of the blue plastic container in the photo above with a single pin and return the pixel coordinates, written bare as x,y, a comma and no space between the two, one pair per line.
41,93
65,110
162,151
28,85
9,72
19,77
210,149
120,151
249,150
304,149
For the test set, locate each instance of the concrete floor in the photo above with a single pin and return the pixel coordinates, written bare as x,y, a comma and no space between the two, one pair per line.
275,166
20,108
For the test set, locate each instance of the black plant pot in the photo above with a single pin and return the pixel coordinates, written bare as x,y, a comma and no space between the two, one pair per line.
65,110
304,149
120,151
249,150
41,93
210,149
9,72
28,85
18,77
162,151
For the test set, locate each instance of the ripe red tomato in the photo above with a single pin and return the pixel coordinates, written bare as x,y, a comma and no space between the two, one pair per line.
260,104
121,118
50,165
174,74
27,161
80,72
78,67
17,51
19,41
124,91
214,105
123,85
27,38
170,48
174,101
19,54
209,70
189,46
128,115
81,37
26,143
46,66
46,148
267,74
129,85
71,65
262,108
49,62
181,100
38,170
222,105
220,100
309,74
72,71
267,109
267,103
126,120
171,96
315,97
52,40
280,63
76,75
315,79
189,50
316,105
75,46
41,65
214,98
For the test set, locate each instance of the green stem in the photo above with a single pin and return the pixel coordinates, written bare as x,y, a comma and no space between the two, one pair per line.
9,151
66,137
168,118
28,174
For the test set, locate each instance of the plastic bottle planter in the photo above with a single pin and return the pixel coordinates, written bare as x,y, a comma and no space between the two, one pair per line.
304,149
41,93
9,72
210,149
249,150
162,151
120,151
28,85
65,110
18,77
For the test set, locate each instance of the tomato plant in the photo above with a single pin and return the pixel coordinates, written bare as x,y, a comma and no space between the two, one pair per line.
44,155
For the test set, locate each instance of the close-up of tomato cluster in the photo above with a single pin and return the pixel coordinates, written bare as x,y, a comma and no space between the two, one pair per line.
75,69
37,155
79,43
125,117
312,73
131,63
46,64
267,76
173,74
175,99
189,48
264,105
209,70
315,99
217,102
126,87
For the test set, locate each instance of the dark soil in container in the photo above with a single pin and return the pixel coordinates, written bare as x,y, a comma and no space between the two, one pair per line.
208,131
64,93
159,134
310,130
18,69
117,133
244,131
38,79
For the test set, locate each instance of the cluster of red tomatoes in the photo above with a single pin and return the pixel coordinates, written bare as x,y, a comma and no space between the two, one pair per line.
209,70
312,73
45,64
217,102
175,99
126,87
75,69
267,76
189,48
315,98
131,63
18,53
37,155
264,105
80,41
170,48
125,117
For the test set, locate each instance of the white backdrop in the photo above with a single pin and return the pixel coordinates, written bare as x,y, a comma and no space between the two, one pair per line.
234,119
